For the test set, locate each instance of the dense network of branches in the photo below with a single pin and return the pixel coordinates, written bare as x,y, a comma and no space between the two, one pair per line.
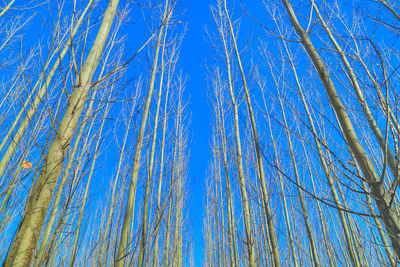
94,136
95,140
305,166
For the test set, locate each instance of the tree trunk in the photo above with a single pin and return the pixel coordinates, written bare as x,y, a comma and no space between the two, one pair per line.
27,236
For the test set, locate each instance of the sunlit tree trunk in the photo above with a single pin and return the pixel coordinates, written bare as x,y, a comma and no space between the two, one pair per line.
220,20
40,254
326,169
145,216
38,99
304,211
88,182
260,165
382,199
177,176
129,210
160,209
220,118
103,252
354,82
27,236
168,226
284,201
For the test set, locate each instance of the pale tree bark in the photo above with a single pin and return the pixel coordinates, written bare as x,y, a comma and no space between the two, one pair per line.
328,172
159,211
168,223
284,201
238,157
178,175
325,233
389,7
207,224
27,236
49,227
88,182
56,237
6,8
379,226
354,82
13,186
219,111
213,194
324,164
214,219
9,152
40,254
221,224
383,99
102,258
145,216
230,212
384,102
162,182
260,165
382,199
314,254
129,210
175,205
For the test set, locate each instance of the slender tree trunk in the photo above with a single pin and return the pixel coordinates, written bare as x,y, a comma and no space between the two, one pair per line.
383,201
314,254
143,239
260,165
46,235
367,112
284,201
38,99
238,156
228,191
167,234
327,171
177,245
102,256
160,183
24,244
93,164
239,163
129,210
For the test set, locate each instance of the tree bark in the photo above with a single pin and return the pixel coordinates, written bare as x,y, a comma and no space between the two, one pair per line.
27,236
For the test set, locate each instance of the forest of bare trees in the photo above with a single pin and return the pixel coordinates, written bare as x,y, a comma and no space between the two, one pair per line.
96,136
305,139
79,130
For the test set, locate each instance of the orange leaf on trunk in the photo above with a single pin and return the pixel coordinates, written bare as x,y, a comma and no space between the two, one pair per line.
26,164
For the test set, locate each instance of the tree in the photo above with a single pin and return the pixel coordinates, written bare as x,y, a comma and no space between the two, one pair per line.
27,237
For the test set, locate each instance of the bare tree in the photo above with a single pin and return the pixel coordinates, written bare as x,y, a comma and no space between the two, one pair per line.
26,239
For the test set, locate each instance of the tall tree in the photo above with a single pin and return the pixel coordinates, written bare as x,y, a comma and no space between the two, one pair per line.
27,236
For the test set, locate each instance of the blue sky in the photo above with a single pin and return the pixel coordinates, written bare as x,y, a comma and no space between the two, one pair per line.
194,52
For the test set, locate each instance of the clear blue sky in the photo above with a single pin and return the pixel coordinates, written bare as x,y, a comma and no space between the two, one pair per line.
194,52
